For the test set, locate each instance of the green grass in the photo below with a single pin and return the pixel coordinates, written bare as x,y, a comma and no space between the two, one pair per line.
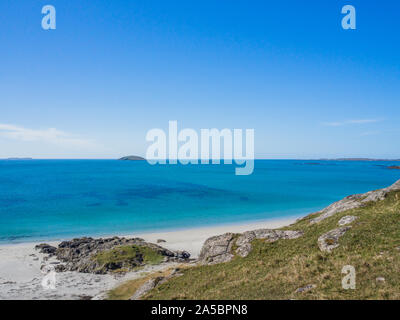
127,289
276,270
128,254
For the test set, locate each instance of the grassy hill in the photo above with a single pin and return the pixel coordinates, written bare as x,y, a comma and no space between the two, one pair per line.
276,270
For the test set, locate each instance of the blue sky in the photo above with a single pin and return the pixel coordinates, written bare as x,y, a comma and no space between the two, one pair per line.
112,70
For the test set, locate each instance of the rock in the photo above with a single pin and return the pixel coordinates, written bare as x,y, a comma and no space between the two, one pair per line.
160,240
244,241
330,240
46,249
394,167
184,255
354,201
306,288
149,285
380,279
244,250
80,254
346,220
218,249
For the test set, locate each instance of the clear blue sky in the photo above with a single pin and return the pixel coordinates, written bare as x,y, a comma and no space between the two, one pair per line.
112,70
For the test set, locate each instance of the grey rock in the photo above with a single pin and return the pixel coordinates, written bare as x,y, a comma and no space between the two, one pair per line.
347,220
218,249
330,240
184,255
160,240
244,250
306,288
46,249
355,201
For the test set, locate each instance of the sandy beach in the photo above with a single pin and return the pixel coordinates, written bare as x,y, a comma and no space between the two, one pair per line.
21,266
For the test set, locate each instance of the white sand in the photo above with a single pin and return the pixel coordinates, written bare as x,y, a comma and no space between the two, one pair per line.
21,275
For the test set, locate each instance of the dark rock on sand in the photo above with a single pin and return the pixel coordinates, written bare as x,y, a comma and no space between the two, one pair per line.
82,254
46,249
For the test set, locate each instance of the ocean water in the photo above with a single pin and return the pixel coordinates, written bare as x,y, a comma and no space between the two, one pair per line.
58,199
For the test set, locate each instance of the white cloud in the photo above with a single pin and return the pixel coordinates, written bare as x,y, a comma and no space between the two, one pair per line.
51,135
350,122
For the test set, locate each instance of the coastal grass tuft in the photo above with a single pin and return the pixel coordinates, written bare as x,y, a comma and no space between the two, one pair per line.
124,254
276,270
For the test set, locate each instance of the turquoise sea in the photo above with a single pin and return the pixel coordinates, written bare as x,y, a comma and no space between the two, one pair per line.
58,199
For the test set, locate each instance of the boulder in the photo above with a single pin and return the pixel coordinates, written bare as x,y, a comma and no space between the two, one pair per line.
330,240
347,220
218,249
46,249
306,288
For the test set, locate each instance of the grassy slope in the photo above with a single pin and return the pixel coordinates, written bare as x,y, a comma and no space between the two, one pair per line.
276,270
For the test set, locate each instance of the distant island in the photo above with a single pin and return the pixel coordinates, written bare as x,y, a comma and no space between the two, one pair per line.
18,159
132,158
361,159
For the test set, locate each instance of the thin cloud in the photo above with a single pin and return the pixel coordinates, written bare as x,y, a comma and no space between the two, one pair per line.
350,122
51,135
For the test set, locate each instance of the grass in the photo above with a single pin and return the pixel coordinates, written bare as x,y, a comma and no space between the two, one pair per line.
129,255
127,289
276,270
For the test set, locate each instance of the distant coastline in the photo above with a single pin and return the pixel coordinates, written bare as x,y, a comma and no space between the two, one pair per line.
17,159
358,159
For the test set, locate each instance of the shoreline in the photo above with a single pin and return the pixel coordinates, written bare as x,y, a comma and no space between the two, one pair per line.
21,264
175,236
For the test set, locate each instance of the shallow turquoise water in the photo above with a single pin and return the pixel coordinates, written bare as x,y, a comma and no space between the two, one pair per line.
49,199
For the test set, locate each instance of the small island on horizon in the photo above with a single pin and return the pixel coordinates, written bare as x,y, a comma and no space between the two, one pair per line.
132,158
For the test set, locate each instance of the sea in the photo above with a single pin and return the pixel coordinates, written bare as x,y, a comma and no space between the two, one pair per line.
61,199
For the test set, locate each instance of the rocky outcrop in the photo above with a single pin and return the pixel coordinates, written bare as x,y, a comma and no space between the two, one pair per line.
243,242
80,254
347,220
354,201
394,167
330,240
218,249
